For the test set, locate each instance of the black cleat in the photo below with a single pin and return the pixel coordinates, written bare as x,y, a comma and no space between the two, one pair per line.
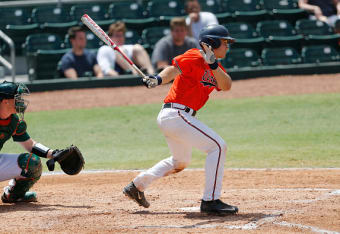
133,193
217,207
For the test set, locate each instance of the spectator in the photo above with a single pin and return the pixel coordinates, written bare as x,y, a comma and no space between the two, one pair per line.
327,11
79,62
112,63
196,19
172,45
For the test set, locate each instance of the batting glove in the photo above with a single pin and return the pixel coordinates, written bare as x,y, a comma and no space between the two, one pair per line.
209,56
152,81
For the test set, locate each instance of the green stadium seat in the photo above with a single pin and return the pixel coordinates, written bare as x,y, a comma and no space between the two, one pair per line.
132,37
280,56
319,54
132,13
43,64
53,19
16,23
250,11
317,32
97,11
241,57
215,7
246,36
150,36
279,33
42,41
163,11
284,9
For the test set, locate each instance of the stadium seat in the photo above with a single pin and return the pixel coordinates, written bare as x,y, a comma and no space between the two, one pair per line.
246,36
215,7
53,19
98,12
319,54
132,37
238,58
43,64
163,11
250,11
279,33
132,13
16,23
317,32
42,41
280,56
150,36
284,9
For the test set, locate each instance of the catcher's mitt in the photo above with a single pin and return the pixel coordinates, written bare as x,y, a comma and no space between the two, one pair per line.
70,159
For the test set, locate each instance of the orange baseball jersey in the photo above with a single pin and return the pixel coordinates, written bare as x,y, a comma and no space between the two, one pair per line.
196,81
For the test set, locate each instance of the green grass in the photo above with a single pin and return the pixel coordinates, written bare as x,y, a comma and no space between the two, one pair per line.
287,131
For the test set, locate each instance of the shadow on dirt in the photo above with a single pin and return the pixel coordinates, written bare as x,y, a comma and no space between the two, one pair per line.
36,207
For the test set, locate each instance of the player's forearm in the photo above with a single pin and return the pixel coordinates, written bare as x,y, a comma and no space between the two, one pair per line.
169,74
223,79
31,145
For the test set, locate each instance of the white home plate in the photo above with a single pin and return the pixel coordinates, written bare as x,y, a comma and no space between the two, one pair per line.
336,192
190,209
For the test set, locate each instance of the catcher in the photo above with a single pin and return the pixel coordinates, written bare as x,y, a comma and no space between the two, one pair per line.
24,170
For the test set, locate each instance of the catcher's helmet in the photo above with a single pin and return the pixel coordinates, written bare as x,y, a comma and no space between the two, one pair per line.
10,90
212,34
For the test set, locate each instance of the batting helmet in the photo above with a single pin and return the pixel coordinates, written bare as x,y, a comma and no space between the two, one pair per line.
212,34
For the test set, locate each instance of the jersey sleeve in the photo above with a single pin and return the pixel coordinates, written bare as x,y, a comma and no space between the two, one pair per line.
20,133
183,63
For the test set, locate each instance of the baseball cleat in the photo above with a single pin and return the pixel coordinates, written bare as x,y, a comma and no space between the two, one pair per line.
133,193
28,197
217,207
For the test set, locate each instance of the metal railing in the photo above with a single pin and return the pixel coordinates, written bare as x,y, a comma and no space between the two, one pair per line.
9,65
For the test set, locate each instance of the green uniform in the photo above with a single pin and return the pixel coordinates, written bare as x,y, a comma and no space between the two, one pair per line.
24,169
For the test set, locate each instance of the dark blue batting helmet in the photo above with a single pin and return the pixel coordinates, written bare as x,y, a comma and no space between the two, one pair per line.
212,34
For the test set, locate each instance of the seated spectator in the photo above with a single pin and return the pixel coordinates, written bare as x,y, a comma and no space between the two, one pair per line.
79,62
327,11
112,63
196,19
172,45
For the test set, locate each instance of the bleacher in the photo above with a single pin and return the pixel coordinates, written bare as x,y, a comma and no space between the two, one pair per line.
269,33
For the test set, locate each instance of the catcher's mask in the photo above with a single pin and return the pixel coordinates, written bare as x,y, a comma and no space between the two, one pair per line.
16,91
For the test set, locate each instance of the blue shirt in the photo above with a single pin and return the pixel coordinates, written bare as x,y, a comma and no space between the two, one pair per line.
82,64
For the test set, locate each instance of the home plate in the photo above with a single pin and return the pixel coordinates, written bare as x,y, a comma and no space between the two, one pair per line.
336,192
190,209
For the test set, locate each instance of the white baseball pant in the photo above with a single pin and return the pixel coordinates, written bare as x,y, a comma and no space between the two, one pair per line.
183,132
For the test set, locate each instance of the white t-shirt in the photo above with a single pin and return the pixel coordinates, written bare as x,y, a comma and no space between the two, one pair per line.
206,18
106,56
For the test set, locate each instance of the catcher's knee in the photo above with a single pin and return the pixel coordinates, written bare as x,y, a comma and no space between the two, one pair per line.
30,174
30,165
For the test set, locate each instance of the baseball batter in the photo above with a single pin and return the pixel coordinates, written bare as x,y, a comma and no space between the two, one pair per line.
23,170
196,73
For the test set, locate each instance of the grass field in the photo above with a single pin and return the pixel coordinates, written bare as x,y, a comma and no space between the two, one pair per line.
262,132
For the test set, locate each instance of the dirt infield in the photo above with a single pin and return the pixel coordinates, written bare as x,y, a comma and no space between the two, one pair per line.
270,201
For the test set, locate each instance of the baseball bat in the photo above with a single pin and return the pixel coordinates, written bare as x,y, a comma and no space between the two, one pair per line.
107,40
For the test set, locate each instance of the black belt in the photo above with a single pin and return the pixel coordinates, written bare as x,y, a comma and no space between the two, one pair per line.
186,109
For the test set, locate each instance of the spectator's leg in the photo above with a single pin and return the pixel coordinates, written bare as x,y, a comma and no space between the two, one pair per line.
142,59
